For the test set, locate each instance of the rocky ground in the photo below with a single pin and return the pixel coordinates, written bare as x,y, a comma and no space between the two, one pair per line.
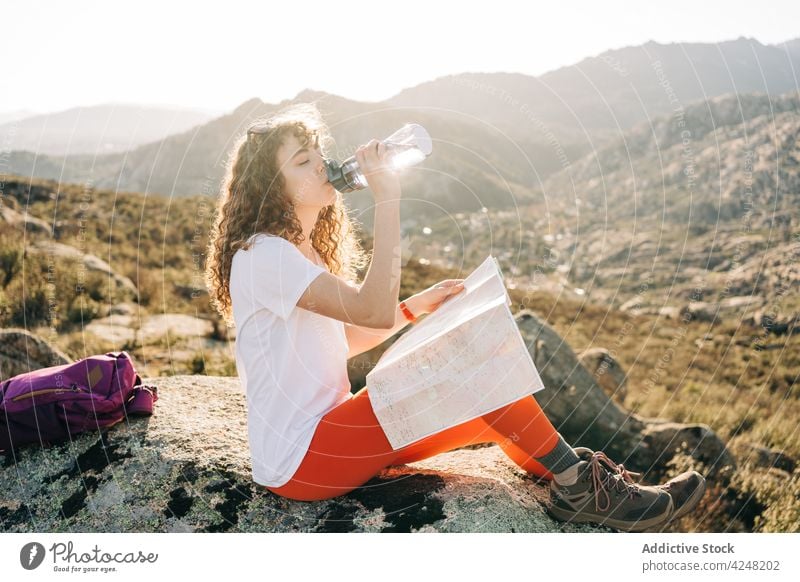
187,469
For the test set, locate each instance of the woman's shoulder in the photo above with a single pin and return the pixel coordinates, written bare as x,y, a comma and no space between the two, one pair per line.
261,247
260,237
263,240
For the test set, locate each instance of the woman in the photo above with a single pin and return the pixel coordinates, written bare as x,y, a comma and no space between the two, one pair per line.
282,268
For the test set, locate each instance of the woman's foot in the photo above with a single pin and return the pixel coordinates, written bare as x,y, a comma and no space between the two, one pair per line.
686,489
599,494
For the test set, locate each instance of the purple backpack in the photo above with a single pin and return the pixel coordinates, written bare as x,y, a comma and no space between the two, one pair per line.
52,404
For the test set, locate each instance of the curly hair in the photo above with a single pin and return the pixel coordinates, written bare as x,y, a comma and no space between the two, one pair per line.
252,200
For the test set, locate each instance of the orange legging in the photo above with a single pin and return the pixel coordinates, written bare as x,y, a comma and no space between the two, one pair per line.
349,446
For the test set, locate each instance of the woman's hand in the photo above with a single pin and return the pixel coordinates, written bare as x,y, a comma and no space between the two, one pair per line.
374,163
433,297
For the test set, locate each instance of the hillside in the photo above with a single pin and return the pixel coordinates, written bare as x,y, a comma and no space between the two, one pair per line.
657,222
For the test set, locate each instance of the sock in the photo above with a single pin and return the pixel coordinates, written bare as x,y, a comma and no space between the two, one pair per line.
562,462
568,476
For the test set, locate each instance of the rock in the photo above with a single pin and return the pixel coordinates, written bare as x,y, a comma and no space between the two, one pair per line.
583,413
187,469
23,221
121,328
669,311
126,308
118,329
25,193
177,324
632,306
190,291
606,371
760,456
775,322
572,399
740,303
89,261
701,311
22,352
727,308
666,439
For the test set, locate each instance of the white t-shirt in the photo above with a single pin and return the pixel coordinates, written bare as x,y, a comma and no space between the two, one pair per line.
292,362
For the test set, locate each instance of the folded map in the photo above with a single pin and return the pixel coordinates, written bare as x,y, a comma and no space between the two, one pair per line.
463,360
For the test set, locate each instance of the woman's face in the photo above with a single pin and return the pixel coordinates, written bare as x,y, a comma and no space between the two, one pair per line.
304,174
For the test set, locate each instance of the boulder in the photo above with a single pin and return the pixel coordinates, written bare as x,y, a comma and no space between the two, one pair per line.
606,371
662,440
701,311
187,469
775,322
124,308
727,308
124,325
24,222
22,352
89,261
753,454
586,416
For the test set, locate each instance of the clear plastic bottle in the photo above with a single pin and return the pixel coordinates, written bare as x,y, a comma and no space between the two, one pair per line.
407,146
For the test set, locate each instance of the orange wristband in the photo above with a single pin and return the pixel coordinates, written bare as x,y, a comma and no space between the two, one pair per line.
409,316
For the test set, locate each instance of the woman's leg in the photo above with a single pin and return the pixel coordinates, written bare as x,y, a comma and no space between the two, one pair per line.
521,429
472,432
525,434
349,446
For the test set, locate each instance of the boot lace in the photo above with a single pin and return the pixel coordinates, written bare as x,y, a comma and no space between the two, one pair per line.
603,479
629,476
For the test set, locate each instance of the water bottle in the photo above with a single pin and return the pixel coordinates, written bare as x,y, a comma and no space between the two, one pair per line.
407,146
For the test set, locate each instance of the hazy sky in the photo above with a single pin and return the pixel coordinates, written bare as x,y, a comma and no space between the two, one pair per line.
61,54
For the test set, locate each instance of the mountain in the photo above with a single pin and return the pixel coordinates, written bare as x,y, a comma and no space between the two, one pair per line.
683,210
10,116
497,137
97,130
606,94
473,166
791,46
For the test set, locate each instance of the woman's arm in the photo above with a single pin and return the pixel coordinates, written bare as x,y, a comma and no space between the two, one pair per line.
370,304
362,339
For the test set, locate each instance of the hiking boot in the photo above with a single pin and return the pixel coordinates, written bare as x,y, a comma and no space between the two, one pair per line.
601,495
630,476
686,489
